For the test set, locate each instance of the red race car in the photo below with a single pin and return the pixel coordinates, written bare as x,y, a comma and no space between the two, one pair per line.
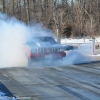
43,48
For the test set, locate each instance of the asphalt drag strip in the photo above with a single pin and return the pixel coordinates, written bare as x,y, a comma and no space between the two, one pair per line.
76,82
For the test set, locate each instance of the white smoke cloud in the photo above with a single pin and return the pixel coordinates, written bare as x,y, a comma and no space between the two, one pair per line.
75,57
13,34
78,56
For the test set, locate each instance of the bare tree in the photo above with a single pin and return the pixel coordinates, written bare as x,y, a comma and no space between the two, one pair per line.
3,6
27,12
12,7
82,15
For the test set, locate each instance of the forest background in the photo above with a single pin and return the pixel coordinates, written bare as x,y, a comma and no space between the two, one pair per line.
67,18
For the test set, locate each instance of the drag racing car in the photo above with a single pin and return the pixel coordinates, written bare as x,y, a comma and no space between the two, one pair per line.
43,48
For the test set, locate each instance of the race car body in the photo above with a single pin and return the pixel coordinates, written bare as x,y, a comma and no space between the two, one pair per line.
43,48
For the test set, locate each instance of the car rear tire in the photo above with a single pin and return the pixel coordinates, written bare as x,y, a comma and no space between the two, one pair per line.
29,61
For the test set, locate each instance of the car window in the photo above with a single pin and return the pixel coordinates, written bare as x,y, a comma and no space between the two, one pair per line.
34,40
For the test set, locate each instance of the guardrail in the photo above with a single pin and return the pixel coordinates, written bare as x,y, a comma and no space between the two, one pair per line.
94,44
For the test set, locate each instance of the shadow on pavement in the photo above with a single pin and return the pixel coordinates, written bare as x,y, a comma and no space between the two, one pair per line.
4,90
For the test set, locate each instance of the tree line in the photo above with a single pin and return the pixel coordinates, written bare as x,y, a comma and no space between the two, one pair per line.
65,17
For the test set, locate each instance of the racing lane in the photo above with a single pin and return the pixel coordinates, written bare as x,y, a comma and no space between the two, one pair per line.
77,82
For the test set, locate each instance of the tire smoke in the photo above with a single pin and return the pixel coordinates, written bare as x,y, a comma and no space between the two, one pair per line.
13,34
